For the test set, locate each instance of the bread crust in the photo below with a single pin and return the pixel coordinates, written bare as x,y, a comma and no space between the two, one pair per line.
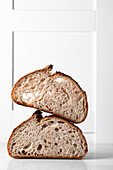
42,119
58,73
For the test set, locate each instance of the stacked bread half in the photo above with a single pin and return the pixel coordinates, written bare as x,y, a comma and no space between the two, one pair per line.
53,136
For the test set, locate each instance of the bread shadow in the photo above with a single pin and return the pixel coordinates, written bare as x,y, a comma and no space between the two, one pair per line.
98,155
45,164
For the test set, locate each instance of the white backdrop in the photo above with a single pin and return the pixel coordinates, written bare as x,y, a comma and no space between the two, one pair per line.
23,23
104,71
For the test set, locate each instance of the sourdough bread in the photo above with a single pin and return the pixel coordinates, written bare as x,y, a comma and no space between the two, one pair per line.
55,93
49,137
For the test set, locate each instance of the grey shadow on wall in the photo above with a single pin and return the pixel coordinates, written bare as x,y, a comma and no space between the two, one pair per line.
100,151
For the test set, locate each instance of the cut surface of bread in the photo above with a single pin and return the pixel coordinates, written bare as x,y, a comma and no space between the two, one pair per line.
55,93
49,137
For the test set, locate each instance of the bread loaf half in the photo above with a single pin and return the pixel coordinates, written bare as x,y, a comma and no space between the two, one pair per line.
49,137
55,93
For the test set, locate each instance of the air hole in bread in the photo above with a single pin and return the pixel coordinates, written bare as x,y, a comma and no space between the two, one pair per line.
76,117
60,122
73,152
45,140
44,126
47,106
26,132
59,138
32,87
31,78
18,85
13,144
57,90
83,109
42,80
80,97
23,151
72,136
26,85
81,146
70,131
56,144
56,129
60,150
39,147
77,92
75,145
27,146
60,105
50,122
26,78
49,142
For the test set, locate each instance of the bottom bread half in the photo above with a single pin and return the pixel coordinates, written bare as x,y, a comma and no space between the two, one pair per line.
48,137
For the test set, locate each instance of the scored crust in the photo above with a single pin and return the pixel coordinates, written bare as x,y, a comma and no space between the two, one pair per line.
55,75
41,119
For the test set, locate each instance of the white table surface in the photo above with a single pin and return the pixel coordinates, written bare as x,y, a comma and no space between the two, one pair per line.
99,157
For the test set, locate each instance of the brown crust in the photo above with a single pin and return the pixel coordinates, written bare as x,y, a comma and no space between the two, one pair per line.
37,114
49,67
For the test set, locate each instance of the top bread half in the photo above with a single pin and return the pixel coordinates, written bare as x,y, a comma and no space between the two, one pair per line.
54,93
